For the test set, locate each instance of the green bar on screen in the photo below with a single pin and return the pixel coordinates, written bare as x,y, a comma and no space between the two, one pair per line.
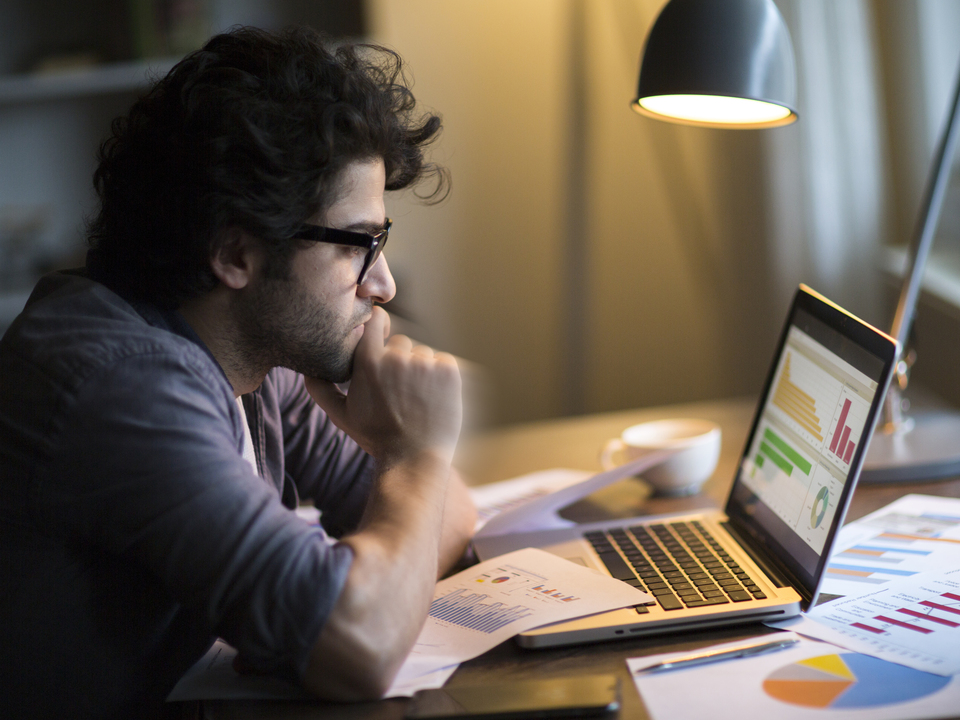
792,454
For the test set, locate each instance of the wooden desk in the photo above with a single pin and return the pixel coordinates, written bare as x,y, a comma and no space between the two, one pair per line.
575,443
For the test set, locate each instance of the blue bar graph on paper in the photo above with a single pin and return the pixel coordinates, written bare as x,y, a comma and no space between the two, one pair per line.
468,610
863,568
945,518
901,551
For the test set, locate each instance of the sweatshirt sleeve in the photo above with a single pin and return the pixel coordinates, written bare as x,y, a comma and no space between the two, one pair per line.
147,470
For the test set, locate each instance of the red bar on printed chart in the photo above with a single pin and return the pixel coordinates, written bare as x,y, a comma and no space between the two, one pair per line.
938,606
931,618
867,628
908,626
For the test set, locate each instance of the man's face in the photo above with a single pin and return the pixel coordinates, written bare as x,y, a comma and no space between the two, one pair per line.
312,321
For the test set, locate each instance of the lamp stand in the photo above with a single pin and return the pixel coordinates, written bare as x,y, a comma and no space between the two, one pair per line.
921,446
927,445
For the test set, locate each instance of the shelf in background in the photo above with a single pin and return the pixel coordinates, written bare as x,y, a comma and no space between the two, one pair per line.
99,80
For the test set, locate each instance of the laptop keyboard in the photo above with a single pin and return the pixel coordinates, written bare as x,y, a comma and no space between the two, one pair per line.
679,563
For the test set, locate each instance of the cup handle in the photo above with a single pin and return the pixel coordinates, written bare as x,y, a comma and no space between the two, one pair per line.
613,446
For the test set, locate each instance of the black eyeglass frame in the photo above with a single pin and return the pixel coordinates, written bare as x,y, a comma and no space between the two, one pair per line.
373,243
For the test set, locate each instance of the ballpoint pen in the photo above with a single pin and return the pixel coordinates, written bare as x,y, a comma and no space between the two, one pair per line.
717,656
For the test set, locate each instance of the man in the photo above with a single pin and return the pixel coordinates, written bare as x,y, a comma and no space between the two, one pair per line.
155,429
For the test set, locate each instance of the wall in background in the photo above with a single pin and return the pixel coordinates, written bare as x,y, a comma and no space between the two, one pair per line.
656,230
67,68
588,259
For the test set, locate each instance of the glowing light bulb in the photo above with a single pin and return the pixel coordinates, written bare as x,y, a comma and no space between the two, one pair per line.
715,110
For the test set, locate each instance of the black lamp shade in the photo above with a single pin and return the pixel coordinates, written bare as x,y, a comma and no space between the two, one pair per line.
732,53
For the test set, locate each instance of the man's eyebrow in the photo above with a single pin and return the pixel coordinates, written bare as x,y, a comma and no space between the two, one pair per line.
371,228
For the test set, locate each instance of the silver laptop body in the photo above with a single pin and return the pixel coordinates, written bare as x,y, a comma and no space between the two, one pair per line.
763,557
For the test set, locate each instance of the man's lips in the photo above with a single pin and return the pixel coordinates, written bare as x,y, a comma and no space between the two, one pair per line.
360,327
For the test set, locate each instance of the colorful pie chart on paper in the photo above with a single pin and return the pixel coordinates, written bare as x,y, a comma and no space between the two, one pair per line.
849,681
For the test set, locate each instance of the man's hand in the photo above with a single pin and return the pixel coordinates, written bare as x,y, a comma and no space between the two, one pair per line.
403,399
404,409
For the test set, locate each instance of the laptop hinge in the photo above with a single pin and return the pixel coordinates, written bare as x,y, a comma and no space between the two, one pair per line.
745,542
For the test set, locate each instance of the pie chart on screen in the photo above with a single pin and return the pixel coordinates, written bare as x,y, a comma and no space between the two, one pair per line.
849,681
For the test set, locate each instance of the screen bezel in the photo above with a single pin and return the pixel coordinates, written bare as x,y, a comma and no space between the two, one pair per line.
765,544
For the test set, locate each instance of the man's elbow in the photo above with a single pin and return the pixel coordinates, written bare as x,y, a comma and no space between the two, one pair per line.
364,676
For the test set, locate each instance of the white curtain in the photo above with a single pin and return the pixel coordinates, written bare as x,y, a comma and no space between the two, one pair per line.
827,171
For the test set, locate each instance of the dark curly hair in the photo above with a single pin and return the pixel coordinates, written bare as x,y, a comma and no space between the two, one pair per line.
250,131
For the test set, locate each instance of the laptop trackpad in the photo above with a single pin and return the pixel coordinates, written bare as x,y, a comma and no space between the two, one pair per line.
578,551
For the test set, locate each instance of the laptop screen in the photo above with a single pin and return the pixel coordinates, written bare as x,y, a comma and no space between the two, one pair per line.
807,442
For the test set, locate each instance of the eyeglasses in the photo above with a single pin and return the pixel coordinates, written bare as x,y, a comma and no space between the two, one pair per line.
372,243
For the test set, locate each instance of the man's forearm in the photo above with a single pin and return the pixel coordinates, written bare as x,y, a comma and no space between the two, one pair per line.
459,519
384,602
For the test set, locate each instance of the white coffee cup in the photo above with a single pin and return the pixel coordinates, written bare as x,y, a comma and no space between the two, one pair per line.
681,474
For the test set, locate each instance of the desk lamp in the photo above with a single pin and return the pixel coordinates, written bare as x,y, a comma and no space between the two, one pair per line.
719,64
730,64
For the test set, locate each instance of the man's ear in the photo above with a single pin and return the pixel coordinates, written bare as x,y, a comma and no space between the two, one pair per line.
235,258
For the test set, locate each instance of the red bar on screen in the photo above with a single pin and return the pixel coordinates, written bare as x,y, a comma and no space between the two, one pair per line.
843,441
836,433
849,453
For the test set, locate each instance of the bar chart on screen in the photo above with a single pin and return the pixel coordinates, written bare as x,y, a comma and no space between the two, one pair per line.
850,417
802,392
914,621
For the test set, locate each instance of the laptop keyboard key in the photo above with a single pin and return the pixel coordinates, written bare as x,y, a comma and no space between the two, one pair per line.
709,601
740,595
616,565
669,602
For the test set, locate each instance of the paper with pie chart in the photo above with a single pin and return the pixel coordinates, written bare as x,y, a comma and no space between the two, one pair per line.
841,680
811,680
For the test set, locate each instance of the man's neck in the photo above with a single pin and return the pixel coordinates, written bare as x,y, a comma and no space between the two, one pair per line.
211,319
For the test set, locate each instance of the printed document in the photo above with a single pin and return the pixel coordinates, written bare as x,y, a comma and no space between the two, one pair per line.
479,608
914,534
914,622
809,681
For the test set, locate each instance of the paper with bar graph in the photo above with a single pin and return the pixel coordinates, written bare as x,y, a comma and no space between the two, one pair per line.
488,603
914,622
914,534
808,436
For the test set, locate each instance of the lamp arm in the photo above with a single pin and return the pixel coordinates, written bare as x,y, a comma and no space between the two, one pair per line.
917,257
927,224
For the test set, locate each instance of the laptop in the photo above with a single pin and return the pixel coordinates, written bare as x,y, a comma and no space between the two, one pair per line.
763,557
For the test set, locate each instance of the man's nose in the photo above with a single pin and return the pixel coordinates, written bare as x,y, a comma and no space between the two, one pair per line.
379,283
